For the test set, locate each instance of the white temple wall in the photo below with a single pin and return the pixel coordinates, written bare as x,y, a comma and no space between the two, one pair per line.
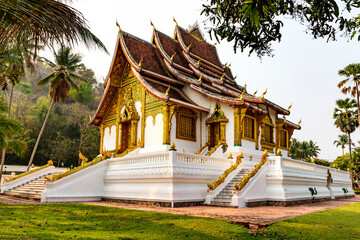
109,138
153,134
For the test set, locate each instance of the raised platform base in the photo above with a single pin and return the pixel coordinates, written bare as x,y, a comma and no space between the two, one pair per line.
155,203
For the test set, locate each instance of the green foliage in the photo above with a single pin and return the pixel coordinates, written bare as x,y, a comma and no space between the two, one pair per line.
319,162
84,95
255,24
24,87
303,150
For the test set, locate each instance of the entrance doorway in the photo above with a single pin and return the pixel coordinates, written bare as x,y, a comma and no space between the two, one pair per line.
125,135
214,136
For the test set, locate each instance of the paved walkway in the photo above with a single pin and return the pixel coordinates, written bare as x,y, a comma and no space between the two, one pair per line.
252,216
248,216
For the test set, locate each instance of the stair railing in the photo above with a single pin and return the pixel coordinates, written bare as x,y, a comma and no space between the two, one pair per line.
202,148
214,149
212,186
246,179
49,163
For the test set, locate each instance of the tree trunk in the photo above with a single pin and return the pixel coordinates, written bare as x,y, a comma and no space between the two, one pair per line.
39,136
350,159
343,148
4,150
357,98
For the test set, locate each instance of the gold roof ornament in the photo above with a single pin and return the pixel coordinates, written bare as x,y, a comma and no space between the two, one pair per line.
214,44
262,95
224,66
278,152
230,156
188,47
172,56
241,155
139,65
201,77
234,78
167,91
198,62
151,23
245,87
288,109
176,24
229,65
266,152
183,149
104,79
299,122
255,93
117,24
222,77
172,147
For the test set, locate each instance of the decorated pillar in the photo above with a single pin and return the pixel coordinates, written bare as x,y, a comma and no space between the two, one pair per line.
133,133
143,122
166,121
222,132
278,127
120,134
239,114
101,138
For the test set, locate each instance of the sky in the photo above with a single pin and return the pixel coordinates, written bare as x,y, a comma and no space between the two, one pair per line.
303,72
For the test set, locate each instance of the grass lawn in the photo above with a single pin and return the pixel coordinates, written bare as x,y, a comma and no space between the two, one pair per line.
338,223
79,221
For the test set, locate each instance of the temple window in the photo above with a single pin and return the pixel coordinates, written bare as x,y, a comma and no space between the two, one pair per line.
186,126
269,133
283,139
249,128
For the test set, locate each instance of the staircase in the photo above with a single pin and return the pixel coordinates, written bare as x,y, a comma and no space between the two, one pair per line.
224,197
31,190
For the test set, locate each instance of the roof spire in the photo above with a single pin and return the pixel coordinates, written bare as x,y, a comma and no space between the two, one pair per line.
244,89
151,23
188,47
176,24
214,44
222,77
198,62
262,96
117,24
255,93
289,107
167,91
139,65
299,122
172,56
201,77
224,66
234,78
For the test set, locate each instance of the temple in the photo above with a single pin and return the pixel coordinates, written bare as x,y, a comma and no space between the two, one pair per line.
177,129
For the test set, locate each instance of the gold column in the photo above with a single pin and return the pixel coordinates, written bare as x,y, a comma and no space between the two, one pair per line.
143,123
200,130
239,114
133,133
166,121
278,127
101,138
117,135
209,134
222,132
120,133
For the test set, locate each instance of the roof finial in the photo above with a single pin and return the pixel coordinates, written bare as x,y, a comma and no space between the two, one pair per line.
245,87
229,65
255,93
262,96
117,24
167,91
176,24
214,44
198,62
201,77
242,96
222,77
234,78
224,66
188,48
104,80
172,56
151,23
299,122
289,107
139,65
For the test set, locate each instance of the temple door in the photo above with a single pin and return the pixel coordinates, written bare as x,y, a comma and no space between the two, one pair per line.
125,130
214,134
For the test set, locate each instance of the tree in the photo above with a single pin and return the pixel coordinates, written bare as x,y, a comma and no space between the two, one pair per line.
9,130
303,150
255,24
342,141
351,83
313,149
60,80
346,120
44,21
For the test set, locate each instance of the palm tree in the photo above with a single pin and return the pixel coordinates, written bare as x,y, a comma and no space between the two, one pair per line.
9,130
303,150
46,21
342,141
61,80
351,83
313,149
346,119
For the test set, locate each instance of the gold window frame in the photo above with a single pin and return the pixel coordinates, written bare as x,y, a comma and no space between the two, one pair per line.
178,123
271,133
243,131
